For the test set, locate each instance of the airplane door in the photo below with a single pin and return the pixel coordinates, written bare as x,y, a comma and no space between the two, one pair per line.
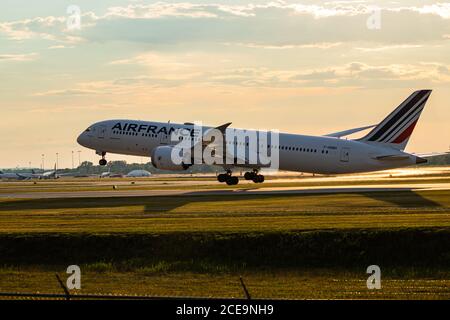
101,132
164,138
345,154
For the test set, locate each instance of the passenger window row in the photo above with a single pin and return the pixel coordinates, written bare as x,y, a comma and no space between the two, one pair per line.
299,149
152,135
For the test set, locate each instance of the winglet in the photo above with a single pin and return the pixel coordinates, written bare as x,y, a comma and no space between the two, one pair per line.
223,127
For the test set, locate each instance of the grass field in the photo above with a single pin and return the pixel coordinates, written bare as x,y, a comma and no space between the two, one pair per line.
317,284
284,245
227,213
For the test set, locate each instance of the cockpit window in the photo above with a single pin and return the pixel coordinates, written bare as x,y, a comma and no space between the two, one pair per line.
88,129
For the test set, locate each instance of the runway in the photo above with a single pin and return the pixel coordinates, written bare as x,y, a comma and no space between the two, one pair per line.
227,192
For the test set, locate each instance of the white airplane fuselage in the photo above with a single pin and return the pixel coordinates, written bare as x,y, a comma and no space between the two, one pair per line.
302,153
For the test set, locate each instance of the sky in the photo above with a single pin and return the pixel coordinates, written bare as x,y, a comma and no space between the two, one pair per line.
309,67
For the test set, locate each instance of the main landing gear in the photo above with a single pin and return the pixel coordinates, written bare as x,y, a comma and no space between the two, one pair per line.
232,180
228,178
102,161
254,176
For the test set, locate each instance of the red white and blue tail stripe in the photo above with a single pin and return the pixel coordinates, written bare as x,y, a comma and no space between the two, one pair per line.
397,128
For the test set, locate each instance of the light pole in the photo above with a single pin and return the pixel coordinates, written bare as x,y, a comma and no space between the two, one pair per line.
57,160
72,161
43,162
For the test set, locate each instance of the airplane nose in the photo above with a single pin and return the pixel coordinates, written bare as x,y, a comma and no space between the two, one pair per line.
82,140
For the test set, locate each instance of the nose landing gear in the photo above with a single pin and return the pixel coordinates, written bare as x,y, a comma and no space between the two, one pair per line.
102,161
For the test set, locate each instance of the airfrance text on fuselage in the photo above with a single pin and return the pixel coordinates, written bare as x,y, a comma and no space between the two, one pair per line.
145,128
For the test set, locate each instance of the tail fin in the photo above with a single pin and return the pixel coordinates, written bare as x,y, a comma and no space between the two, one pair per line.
398,126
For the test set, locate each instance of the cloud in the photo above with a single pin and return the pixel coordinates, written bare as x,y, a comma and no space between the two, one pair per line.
61,46
66,92
46,28
391,47
272,25
354,74
322,45
440,9
217,10
160,10
18,57
316,75
360,74
153,60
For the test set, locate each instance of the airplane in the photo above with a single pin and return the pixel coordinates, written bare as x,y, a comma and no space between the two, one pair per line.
16,175
105,175
48,175
109,174
28,176
380,149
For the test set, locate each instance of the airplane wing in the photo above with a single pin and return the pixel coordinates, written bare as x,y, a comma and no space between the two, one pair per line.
348,132
207,141
222,160
23,177
221,128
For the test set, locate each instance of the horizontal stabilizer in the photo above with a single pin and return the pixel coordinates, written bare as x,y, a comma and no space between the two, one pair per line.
392,157
419,158
348,132
431,154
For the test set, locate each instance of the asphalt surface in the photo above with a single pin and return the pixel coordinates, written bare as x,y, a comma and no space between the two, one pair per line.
231,191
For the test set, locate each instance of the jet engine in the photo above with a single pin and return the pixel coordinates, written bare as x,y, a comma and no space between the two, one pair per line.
170,158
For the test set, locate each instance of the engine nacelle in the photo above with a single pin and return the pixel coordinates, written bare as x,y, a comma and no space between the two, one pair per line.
162,159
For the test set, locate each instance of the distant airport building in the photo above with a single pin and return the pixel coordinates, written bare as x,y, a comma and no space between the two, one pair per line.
139,174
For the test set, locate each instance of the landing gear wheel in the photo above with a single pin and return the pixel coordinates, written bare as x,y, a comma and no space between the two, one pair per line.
102,161
249,175
258,178
222,177
231,181
252,175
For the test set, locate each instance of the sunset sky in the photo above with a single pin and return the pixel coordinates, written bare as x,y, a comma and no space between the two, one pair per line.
310,67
